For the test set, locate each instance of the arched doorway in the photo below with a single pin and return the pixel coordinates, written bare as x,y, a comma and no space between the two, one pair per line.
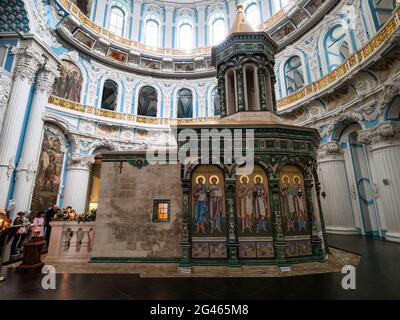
360,181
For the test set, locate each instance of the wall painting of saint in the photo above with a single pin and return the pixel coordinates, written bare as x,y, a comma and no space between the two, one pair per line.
69,83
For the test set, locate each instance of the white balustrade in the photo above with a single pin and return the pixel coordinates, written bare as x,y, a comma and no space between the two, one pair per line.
70,241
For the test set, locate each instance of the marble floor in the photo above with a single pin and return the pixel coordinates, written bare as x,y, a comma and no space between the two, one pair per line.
377,278
334,263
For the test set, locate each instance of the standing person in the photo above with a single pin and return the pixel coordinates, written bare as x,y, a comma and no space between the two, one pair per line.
245,198
38,226
261,209
48,218
215,205
19,238
200,206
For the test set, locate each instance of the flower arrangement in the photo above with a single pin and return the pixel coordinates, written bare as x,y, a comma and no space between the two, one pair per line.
88,216
69,214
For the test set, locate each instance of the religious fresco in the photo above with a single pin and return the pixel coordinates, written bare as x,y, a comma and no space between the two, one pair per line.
117,55
49,172
150,64
184,66
254,215
84,38
107,131
69,83
253,205
298,248
208,213
293,202
208,202
283,32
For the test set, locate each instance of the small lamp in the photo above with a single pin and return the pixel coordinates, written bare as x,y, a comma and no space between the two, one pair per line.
72,215
4,222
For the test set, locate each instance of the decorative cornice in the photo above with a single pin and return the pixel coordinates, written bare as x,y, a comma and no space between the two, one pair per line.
103,144
29,170
331,149
80,161
386,132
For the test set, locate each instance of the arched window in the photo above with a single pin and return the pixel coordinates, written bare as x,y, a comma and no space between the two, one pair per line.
294,77
84,6
251,87
185,36
393,112
218,31
151,33
230,96
117,21
280,4
381,11
216,102
253,15
147,102
336,47
109,97
185,103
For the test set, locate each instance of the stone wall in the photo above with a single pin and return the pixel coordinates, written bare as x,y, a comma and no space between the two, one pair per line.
124,225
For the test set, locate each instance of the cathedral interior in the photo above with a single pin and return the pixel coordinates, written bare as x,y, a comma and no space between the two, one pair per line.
94,92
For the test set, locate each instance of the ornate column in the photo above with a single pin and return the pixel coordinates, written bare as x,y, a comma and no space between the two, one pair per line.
221,93
76,186
169,13
201,27
27,166
233,243
29,59
240,89
186,243
5,86
321,216
384,151
136,19
316,242
337,206
279,239
261,89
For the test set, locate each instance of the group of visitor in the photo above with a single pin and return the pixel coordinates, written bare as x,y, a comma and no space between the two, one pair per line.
38,227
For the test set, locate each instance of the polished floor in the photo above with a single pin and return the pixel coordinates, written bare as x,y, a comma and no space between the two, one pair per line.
378,277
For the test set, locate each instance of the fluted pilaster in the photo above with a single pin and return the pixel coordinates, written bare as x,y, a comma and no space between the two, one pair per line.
27,166
29,60
384,147
336,206
76,186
